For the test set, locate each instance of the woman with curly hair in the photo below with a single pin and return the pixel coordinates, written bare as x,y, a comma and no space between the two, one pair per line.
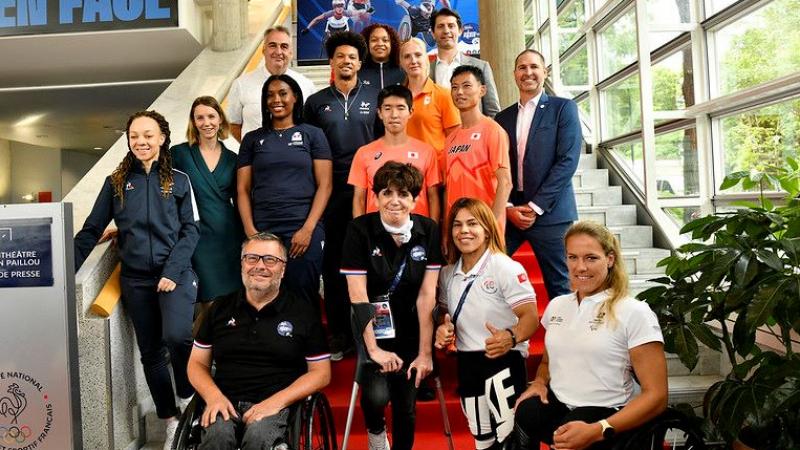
153,207
381,68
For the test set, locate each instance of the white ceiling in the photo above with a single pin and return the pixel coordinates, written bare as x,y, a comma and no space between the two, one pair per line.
71,82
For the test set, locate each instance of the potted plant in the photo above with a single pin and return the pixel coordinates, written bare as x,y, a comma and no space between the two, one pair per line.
740,276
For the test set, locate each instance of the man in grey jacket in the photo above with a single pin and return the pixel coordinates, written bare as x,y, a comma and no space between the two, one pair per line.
447,27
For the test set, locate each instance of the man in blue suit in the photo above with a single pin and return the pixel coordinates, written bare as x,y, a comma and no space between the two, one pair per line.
545,146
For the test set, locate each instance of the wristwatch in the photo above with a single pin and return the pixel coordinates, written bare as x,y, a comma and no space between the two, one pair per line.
608,430
513,337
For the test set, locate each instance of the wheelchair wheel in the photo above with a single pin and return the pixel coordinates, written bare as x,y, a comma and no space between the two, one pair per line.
187,436
670,430
318,431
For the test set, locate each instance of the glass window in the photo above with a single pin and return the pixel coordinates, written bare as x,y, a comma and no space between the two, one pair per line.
541,7
759,47
673,87
585,106
630,154
676,163
545,45
760,138
683,214
618,44
575,69
715,6
570,20
656,39
622,111
668,11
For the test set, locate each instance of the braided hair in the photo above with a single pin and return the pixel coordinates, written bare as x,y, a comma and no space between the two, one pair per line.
120,174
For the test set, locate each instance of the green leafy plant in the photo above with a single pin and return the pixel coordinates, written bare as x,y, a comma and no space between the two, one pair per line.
741,274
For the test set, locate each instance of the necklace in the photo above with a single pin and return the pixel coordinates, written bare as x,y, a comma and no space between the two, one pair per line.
279,131
345,106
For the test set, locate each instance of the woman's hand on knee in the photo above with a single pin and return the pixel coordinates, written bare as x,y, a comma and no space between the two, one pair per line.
536,389
389,361
217,406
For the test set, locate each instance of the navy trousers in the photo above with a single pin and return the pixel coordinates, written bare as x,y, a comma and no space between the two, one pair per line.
162,321
547,242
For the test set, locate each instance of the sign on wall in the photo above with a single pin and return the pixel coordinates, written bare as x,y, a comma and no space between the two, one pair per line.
39,391
317,19
19,17
25,253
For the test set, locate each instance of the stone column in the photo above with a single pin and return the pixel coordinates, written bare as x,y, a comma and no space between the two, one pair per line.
244,18
226,25
502,38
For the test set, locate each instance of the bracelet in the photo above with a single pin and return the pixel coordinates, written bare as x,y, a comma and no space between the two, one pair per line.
513,337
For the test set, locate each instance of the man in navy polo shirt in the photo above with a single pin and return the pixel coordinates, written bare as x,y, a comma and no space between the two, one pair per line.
346,112
269,350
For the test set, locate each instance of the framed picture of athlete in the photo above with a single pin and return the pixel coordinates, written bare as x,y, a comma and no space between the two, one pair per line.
318,19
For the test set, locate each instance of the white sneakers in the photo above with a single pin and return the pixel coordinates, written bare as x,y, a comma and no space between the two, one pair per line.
378,441
183,403
172,427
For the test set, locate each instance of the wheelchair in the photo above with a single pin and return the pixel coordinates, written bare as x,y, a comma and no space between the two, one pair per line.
671,429
310,425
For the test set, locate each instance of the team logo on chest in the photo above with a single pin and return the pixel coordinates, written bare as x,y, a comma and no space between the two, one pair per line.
427,100
378,155
377,252
364,108
297,139
413,155
489,285
475,136
285,328
128,186
327,108
418,253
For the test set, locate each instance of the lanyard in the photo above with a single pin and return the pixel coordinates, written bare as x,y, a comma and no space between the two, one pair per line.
397,276
467,288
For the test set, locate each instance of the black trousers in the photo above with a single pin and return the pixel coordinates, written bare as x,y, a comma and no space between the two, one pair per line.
377,390
535,422
338,214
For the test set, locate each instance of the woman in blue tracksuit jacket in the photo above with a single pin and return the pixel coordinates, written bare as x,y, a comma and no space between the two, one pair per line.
153,207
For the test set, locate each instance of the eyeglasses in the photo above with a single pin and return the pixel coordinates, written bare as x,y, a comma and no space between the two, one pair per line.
251,259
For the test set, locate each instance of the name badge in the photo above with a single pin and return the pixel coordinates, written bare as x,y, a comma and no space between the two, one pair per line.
383,324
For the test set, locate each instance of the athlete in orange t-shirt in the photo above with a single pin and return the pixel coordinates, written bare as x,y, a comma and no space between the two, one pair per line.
435,116
394,109
477,153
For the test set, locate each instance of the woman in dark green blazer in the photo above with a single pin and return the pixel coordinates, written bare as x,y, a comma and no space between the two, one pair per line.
212,170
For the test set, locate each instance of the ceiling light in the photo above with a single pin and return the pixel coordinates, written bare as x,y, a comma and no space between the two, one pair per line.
98,148
29,120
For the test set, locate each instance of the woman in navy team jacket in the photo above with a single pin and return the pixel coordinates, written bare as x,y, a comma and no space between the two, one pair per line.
153,207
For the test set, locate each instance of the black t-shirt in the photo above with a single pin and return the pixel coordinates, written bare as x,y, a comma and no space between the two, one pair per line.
283,183
346,132
258,353
370,250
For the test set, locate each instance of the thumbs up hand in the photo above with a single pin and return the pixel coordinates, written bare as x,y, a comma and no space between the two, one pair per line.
499,343
445,333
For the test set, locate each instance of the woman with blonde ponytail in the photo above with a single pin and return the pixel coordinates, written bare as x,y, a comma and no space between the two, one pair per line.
154,210
598,338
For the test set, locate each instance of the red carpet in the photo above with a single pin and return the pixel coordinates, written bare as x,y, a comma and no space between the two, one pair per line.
430,434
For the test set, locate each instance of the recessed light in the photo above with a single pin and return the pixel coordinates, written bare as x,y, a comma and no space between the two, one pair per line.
98,148
29,120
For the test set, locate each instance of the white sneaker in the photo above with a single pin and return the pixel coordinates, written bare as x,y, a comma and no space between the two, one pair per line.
378,441
183,403
171,429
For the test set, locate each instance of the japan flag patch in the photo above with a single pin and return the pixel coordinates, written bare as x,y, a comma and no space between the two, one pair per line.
521,278
413,155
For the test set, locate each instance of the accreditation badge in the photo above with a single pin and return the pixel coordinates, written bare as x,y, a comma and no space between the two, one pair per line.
383,324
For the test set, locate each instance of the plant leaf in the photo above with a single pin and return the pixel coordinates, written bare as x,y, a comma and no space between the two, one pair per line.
704,334
771,259
732,179
765,300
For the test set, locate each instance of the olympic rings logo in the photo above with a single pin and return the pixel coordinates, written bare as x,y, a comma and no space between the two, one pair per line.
14,434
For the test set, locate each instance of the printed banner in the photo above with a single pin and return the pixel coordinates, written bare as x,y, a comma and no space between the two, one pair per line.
19,17
411,18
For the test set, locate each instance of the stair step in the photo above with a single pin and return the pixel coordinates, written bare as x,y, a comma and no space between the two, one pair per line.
599,196
690,389
633,236
643,261
588,161
590,178
612,215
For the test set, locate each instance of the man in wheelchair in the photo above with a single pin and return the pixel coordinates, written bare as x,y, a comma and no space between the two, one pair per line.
269,349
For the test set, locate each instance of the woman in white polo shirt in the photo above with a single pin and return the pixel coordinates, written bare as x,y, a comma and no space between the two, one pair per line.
491,313
597,338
